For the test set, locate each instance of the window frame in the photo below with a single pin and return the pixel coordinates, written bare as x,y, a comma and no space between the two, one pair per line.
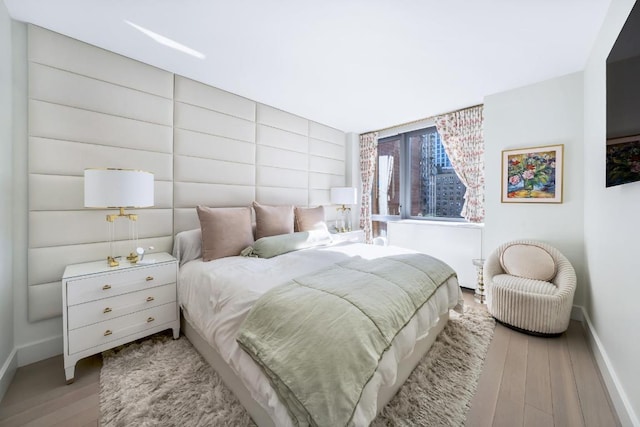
405,179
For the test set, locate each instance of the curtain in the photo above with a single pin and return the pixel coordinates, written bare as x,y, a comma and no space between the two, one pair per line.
368,154
461,133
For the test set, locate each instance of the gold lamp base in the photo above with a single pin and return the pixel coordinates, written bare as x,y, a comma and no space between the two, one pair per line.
133,258
112,261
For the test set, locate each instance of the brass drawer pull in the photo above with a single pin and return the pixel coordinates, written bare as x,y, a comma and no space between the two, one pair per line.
149,299
107,310
107,332
150,319
106,287
149,278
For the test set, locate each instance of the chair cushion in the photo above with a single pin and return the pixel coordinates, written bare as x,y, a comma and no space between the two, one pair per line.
528,261
527,286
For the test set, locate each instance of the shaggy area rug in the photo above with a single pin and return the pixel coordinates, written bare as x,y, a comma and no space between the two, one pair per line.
162,382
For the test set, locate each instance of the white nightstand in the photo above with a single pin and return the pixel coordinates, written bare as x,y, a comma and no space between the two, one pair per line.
356,236
104,307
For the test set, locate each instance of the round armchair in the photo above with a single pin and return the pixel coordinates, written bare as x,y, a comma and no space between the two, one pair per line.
530,287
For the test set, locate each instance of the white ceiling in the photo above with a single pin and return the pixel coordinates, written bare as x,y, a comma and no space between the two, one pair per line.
354,65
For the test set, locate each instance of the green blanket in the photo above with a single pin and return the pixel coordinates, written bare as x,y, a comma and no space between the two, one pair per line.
319,338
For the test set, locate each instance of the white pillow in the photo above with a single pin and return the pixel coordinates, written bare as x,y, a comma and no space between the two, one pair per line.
528,261
187,245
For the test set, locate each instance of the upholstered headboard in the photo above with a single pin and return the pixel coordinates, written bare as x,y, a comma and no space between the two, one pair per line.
92,108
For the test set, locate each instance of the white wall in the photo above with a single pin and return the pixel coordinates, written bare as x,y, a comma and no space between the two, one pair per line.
545,113
611,235
7,359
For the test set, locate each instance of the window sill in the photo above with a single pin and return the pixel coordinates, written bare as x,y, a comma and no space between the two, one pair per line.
432,222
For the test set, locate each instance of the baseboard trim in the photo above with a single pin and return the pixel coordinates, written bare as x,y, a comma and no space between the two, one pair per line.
612,383
39,350
8,371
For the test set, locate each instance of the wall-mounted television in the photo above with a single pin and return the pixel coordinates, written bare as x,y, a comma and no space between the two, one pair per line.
623,104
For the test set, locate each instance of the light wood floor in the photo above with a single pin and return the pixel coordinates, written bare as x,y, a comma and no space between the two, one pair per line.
526,381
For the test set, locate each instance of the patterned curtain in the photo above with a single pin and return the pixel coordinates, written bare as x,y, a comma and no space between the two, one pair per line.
461,133
368,154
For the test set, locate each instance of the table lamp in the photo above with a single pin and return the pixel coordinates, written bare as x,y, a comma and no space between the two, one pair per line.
121,189
344,196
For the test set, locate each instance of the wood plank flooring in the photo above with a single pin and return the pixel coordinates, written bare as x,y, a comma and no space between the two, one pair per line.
526,381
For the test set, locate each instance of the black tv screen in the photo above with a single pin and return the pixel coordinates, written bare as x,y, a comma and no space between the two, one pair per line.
623,104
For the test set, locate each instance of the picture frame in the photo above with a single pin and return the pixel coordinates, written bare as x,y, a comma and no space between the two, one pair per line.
533,175
623,160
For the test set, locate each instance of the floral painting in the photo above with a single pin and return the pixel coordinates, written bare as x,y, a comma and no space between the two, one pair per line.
532,175
623,160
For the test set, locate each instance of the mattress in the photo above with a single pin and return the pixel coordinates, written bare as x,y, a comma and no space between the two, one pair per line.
218,295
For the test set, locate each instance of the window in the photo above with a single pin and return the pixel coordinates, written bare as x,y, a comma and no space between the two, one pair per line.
414,179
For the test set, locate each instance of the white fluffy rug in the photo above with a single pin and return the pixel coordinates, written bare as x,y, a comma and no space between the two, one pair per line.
162,382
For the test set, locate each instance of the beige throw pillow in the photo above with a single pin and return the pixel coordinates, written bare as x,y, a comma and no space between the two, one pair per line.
308,219
528,261
225,231
273,220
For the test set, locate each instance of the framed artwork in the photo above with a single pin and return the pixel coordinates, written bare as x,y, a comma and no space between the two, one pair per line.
532,175
623,160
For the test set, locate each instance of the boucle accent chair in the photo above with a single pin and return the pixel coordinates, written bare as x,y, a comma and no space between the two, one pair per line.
530,287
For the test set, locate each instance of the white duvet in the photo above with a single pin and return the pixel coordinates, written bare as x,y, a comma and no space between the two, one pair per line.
218,295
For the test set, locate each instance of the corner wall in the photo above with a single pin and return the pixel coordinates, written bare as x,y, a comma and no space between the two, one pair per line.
611,236
8,360
545,113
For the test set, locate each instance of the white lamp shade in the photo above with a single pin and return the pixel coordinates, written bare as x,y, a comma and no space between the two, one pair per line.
344,196
117,188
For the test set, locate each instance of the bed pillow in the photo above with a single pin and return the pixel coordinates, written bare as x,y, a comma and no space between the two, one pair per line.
528,261
187,246
273,220
268,247
225,231
307,219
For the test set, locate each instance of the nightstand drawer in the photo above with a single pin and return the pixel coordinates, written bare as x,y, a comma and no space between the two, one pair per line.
115,283
120,327
108,308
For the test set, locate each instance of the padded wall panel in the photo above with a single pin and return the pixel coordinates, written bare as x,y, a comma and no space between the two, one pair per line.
320,197
278,158
191,92
195,169
90,108
56,50
282,120
48,264
185,219
197,144
52,85
277,177
46,189
325,181
323,164
326,133
282,196
93,108
57,121
200,119
326,149
56,157
45,301
192,194
61,228
282,139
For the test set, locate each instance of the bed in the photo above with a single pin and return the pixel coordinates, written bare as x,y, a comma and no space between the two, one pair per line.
217,296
